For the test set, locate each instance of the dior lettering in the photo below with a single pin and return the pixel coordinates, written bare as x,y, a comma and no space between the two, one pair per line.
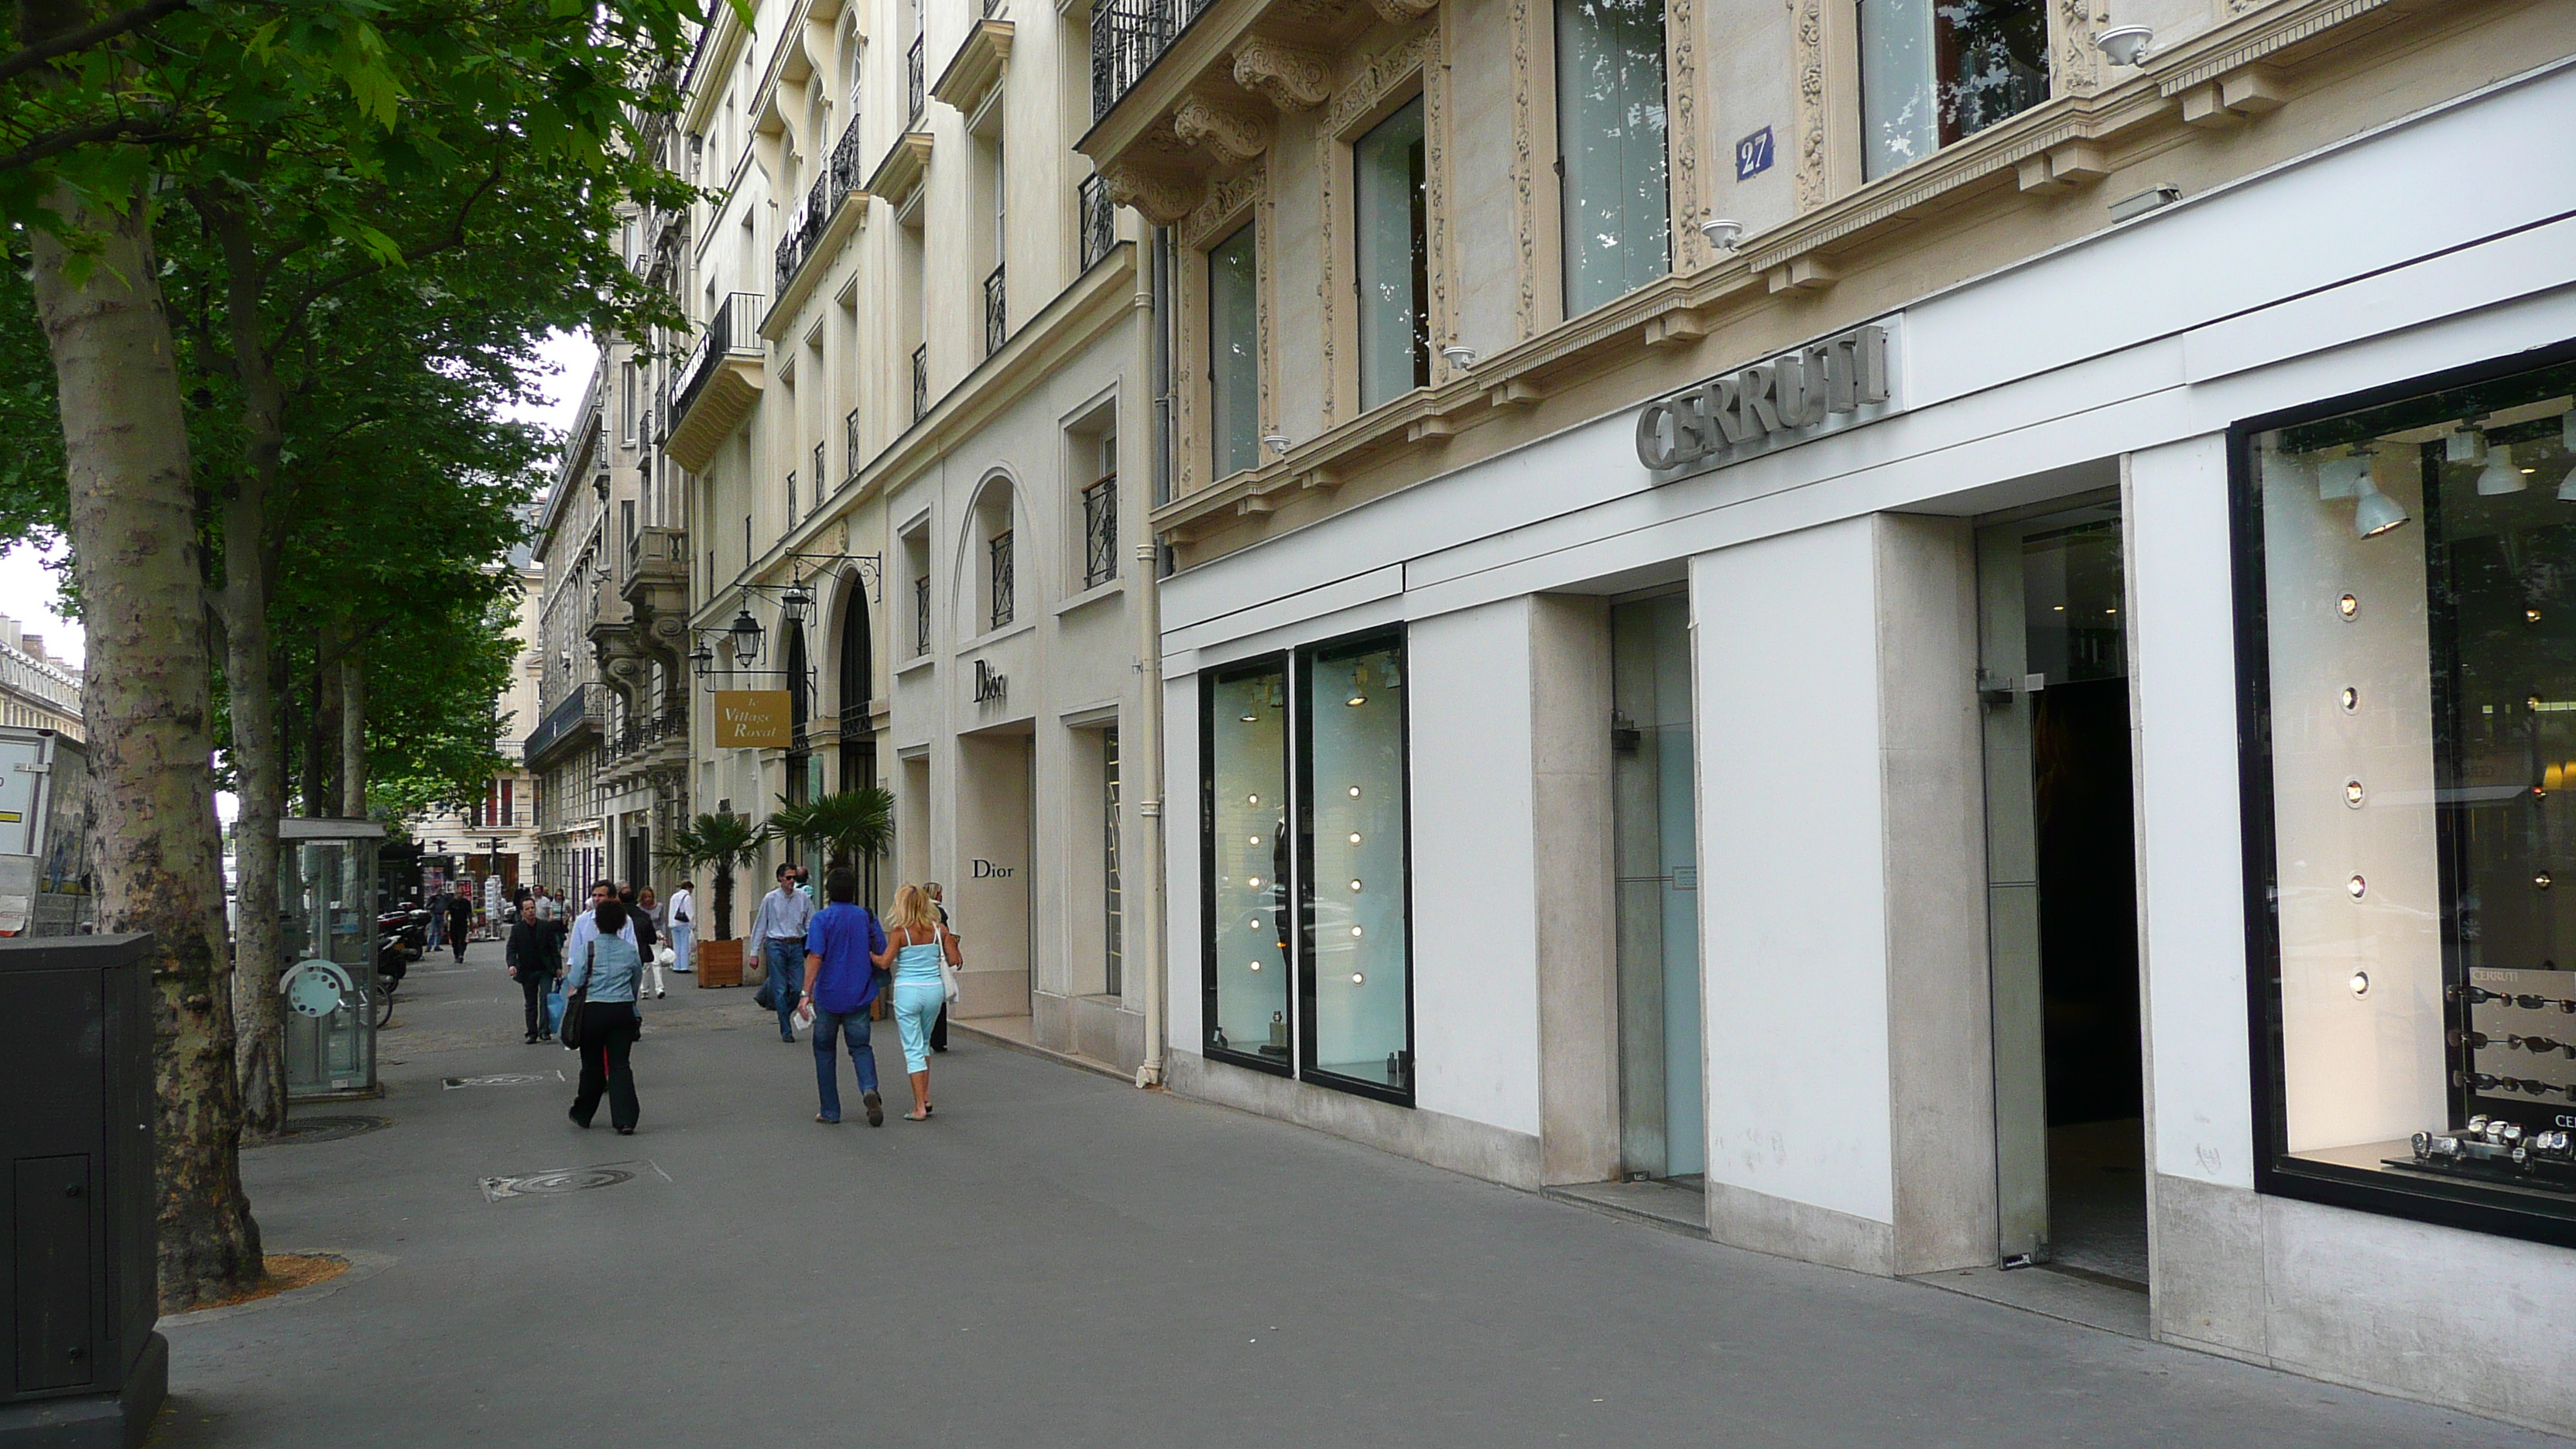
1744,411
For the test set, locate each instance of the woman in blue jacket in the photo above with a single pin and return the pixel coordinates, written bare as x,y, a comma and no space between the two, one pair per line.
606,972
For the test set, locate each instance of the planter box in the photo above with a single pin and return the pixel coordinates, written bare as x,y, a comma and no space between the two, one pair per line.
718,963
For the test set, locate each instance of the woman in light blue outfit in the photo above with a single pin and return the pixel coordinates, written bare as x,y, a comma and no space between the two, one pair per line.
606,974
916,945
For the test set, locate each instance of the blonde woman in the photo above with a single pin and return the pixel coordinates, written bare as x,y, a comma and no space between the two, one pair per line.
916,946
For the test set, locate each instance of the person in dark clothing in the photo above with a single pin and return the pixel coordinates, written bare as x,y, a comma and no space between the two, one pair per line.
604,971
460,920
535,955
939,1028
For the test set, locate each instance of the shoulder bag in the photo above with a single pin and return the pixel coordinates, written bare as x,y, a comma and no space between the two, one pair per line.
947,973
569,1033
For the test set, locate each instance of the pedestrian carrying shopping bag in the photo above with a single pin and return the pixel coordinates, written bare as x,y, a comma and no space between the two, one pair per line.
554,1007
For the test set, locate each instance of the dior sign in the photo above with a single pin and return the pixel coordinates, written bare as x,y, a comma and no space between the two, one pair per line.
1819,388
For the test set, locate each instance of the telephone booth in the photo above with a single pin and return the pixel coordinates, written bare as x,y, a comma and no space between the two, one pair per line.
329,896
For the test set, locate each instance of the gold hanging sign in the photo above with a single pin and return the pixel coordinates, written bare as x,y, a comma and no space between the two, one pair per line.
752,719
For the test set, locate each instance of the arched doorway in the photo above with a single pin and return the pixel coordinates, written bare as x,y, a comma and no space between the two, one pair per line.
800,707
858,684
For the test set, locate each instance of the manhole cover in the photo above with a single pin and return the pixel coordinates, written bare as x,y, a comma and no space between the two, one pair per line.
553,1184
505,1079
325,1129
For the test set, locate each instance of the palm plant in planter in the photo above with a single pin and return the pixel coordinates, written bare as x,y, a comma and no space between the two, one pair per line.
844,828
719,844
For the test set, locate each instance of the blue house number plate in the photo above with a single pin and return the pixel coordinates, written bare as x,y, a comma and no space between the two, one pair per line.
1753,155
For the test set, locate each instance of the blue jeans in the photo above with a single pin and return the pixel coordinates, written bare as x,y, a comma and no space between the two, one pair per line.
863,1058
786,978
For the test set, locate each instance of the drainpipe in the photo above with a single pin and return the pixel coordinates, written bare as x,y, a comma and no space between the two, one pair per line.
1149,667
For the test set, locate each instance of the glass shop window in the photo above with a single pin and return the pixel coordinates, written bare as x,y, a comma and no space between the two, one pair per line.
1327,898
2417,598
1935,72
1245,763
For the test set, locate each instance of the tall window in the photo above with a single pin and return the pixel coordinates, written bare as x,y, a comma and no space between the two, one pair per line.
1112,904
819,464
1337,711
1933,72
1234,358
1610,147
1393,273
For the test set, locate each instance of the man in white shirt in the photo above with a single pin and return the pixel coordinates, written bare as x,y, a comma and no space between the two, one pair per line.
780,930
549,910
585,927
683,921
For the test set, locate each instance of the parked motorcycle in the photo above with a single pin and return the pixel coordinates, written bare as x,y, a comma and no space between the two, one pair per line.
410,926
399,942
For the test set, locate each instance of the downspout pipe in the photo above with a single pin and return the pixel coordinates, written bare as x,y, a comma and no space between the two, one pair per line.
1149,667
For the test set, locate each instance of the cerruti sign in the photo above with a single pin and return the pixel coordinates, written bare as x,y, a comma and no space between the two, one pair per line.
1820,388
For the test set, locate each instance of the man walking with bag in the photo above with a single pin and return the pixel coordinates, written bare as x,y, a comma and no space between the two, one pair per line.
841,946
780,930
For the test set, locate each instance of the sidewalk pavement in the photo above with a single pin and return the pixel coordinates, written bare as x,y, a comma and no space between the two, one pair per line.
1057,1259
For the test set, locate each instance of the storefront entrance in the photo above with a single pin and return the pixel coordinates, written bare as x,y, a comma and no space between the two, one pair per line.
989,900
1663,1132
2062,892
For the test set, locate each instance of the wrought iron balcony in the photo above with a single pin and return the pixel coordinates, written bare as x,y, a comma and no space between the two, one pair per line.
578,712
920,381
848,174
1099,221
921,616
1100,532
850,427
804,231
1005,591
733,331
914,84
997,314
1127,37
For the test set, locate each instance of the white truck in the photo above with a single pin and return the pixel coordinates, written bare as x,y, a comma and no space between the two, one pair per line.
44,834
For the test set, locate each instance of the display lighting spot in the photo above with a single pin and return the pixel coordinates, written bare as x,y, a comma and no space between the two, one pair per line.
2530,616
2353,793
2541,880
1254,882
1355,837
1255,966
1356,700
2360,983
1251,799
1359,978
1253,839
1355,792
1355,930
1252,719
2347,606
2358,887
1355,885
2351,699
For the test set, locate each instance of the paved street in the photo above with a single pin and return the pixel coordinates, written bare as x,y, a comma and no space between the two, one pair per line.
1059,1259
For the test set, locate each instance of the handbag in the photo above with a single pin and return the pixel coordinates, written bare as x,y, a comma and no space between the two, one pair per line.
569,1033
948,983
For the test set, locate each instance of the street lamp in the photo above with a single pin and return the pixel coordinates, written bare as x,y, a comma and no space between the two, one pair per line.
746,637
704,658
793,604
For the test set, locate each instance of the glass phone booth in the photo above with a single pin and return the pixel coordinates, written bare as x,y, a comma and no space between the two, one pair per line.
328,895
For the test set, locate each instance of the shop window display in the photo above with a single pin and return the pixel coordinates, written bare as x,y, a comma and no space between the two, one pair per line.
1337,711
2412,587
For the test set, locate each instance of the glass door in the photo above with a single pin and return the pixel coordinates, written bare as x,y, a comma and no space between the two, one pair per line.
1662,1118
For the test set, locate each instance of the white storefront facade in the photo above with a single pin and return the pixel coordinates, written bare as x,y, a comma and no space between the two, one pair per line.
1913,820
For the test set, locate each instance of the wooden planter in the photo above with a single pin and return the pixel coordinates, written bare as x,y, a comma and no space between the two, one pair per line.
718,963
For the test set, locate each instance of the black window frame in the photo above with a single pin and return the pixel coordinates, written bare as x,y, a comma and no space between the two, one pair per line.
1295,668
2454,1203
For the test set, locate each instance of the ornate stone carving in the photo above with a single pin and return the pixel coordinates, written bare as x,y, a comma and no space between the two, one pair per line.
1163,198
1813,185
1525,169
1234,137
1219,208
1403,12
2077,68
1289,77
1681,138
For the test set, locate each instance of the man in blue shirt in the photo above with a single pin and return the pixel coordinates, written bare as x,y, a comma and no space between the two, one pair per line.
779,930
842,943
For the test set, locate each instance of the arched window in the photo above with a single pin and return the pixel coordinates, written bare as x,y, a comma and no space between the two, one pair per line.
858,684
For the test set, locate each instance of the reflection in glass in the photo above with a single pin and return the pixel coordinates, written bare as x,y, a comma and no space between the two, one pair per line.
1247,722
1394,277
2454,696
1934,72
1610,147
1354,717
1234,355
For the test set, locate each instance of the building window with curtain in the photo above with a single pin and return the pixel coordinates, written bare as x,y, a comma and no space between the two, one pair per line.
1610,148
1935,72
1393,273
1234,354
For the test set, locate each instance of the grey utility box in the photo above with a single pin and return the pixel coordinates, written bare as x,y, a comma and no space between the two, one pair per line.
78,1295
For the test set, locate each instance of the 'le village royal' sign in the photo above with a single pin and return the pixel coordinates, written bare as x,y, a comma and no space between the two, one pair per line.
1804,393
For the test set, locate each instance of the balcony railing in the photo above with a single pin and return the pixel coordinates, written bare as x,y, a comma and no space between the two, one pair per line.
921,616
637,735
1127,37
850,427
579,710
997,314
1100,532
1099,221
848,172
920,381
841,175
733,330
913,82
1004,593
